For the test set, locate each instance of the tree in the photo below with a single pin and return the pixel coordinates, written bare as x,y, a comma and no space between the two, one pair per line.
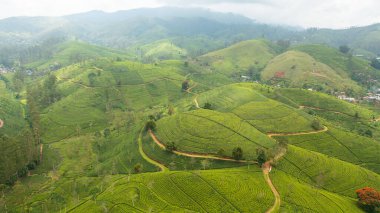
205,163
171,147
237,153
375,63
356,115
262,156
107,133
138,168
185,85
207,106
369,199
150,125
91,78
221,152
344,49
171,110
316,124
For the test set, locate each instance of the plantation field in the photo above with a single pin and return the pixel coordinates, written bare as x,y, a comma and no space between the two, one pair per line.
177,162
300,68
324,102
199,191
272,116
298,196
342,145
205,131
326,172
238,58
162,50
226,98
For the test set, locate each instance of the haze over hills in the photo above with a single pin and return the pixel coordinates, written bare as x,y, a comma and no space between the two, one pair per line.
186,110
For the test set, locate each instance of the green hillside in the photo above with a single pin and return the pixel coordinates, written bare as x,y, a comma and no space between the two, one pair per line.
239,58
162,50
299,69
358,69
208,132
70,52
300,150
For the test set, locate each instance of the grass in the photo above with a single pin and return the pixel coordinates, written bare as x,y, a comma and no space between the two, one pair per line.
272,116
325,102
327,173
226,98
206,131
300,68
71,52
342,145
200,191
298,196
162,50
177,163
238,58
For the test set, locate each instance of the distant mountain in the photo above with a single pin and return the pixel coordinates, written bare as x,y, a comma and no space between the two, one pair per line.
195,30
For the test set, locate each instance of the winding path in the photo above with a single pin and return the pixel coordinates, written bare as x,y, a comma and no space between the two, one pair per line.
196,95
1,123
162,167
267,168
276,206
196,155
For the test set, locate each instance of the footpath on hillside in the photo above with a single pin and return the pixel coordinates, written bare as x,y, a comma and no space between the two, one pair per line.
195,155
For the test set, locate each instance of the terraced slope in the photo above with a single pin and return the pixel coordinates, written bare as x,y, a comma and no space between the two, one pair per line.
321,101
300,69
298,196
327,173
207,132
238,58
342,145
227,190
226,98
272,116
163,50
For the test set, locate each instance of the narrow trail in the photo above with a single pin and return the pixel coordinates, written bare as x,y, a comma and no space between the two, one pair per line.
267,168
1,123
195,95
142,153
276,206
271,135
41,151
196,155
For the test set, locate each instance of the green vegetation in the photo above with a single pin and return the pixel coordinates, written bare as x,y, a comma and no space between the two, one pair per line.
199,191
76,138
298,69
205,131
239,58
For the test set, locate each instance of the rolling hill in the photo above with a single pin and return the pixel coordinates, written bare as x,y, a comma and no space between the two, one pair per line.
239,58
299,69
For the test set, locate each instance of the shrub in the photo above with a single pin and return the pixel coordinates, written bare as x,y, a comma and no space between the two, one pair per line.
369,199
316,125
150,125
138,168
171,147
261,156
237,153
207,106
31,166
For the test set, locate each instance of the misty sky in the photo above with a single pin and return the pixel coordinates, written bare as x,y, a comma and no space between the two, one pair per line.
304,13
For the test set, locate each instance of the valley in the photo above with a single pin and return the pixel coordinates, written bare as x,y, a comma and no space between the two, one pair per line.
155,118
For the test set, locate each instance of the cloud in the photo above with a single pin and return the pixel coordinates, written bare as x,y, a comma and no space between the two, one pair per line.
321,13
208,2
305,13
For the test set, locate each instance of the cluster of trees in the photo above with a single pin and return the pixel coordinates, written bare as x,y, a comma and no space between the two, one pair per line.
18,155
369,199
